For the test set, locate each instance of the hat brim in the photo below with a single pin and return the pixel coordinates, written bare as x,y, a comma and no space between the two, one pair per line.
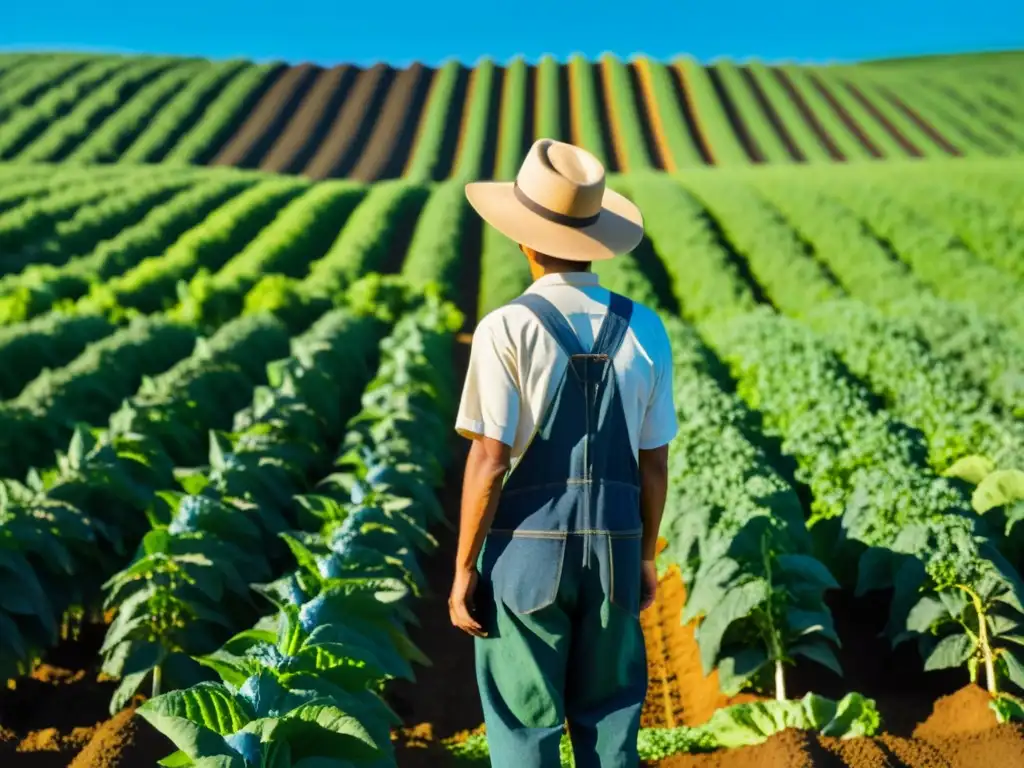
619,228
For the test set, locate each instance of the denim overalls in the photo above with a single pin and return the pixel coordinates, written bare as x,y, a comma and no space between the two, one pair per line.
559,586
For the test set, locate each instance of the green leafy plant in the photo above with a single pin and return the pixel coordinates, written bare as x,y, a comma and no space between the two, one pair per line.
301,687
189,584
61,534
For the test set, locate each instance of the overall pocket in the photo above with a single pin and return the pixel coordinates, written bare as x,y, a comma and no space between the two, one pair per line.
524,569
624,557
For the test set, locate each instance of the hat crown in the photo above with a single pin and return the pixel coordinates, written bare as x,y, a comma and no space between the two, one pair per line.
565,179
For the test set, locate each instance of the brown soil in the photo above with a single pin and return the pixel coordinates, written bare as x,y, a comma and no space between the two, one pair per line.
847,119
961,732
391,140
306,129
893,131
685,105
529,134
247,146
692,114
434,77
773,117
678,691
643,79
485,162
472,80
124,741
60,712
809,116
789,749
616,145
640,108
599,116
524,136
732,114
919,121
340,148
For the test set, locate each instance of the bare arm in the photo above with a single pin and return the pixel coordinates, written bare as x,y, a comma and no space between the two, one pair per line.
486,465
653,491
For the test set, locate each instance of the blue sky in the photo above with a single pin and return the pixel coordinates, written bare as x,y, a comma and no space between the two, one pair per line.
401,31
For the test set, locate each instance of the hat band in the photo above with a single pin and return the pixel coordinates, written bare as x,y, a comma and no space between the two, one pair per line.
576,222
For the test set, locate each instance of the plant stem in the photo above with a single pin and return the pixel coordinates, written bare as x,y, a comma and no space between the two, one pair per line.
986,647
775,646
156,681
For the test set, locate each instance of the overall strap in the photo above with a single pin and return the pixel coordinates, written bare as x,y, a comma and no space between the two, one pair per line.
553,321
614,327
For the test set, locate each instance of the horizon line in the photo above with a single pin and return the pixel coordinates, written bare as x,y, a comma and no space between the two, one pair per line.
58,49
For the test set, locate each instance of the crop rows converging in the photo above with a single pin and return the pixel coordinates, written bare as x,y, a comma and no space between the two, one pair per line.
226,400
426,124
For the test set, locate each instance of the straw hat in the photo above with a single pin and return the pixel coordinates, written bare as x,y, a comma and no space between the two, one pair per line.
558,205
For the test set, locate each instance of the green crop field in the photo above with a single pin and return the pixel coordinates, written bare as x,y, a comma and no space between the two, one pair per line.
235,305
429,124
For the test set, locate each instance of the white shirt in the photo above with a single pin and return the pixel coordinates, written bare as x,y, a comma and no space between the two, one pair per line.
515,367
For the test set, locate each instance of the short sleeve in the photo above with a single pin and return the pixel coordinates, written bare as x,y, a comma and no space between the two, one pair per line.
490,396
660,423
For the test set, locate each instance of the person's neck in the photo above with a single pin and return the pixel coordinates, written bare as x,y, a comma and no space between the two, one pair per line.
537,271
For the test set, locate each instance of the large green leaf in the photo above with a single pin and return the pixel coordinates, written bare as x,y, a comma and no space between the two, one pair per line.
209,705
193,739
1000,488
21,592
707,591
350,668
926,613
972,469
738,603
808,569
175,760
320,728
233,670
735,671
1014,668
820,653
950,651
819,623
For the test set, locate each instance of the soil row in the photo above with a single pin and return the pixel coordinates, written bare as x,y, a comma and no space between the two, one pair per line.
364,123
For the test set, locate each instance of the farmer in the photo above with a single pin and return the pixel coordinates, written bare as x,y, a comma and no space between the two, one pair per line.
568,403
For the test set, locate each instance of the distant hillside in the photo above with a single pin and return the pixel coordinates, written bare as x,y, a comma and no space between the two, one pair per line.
426,123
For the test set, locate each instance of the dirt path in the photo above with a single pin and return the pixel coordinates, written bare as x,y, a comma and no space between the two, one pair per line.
678,692
246,147
306,129
893,131
391,140
340,148
809,117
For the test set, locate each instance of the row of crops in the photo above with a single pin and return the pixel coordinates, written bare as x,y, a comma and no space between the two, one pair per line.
474,122
223,424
